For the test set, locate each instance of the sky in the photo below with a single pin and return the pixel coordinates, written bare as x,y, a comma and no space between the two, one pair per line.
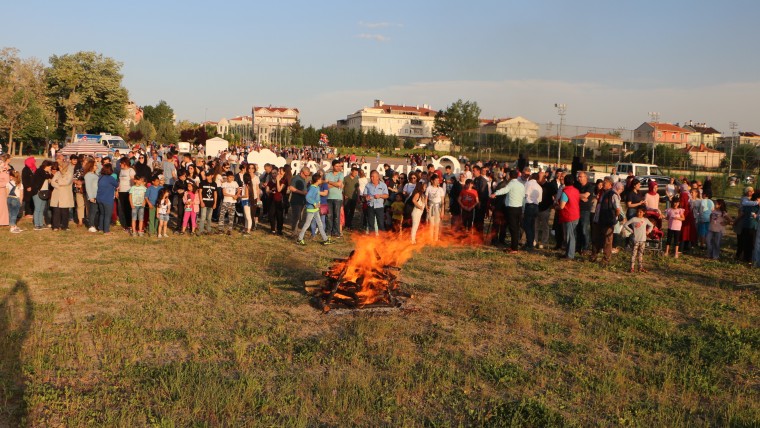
609,62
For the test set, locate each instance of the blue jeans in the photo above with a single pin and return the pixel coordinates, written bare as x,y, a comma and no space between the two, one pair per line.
106,210
309,217
333,216
323,218
584,231
376,218
14,206
529,224
569,229
39,211
93,218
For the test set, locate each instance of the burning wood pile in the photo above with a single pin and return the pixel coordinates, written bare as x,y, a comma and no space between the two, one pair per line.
358,283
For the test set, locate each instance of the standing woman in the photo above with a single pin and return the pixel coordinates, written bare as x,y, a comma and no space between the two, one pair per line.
41,182
435,195
91,191
4,179
671,190
276,189
286,192
78,177
126,180
27,177
251,191
107,188
420,202
63,196
689,226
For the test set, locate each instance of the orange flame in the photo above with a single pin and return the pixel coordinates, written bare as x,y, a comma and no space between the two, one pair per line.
368,264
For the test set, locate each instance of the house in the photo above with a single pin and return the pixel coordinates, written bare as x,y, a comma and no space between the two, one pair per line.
239,125
704,156
441,143
702,134
272,124
749,138
392,119
594,141
661,133
512,127
134,114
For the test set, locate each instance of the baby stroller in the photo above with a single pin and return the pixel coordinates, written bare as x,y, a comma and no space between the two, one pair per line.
654,239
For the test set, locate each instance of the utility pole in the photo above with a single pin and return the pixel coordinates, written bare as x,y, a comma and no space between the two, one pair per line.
734,126
561,110
549,127
655,118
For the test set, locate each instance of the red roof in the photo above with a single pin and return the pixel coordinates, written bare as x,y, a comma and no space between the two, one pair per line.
280,109
389,108
597,135
667,127
748,134
706,130
701,149
493,121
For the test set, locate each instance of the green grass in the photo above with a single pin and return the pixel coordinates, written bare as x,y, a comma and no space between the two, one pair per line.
120,331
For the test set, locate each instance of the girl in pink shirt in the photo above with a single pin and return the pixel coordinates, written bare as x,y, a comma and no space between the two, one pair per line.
675,216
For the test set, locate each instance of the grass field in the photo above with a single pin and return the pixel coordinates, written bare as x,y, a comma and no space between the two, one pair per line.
119,331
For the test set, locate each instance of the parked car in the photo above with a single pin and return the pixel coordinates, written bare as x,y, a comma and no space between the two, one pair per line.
644,173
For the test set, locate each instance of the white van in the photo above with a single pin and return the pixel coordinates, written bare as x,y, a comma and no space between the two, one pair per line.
639,169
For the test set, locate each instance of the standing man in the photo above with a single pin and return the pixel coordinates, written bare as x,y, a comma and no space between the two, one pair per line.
533,196
515,192
350,195
376,192
169,170
298,189
480,185
334,180
569,212
556,194
586,191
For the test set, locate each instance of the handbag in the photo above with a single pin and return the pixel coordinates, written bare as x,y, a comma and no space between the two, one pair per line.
44,193
323,209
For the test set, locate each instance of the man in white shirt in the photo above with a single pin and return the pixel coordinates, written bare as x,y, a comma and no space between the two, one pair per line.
533,194
229,194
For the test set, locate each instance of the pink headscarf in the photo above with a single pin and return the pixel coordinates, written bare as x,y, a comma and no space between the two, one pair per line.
31,163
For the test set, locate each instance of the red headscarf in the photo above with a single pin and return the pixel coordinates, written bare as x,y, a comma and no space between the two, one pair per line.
31,163
652,187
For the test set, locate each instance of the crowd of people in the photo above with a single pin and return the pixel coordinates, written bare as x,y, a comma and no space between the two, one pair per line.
154,190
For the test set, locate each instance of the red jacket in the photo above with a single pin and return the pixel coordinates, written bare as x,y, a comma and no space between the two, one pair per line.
572,209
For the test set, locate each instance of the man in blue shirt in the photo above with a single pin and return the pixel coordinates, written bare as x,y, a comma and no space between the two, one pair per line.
375,193
334,180
515,192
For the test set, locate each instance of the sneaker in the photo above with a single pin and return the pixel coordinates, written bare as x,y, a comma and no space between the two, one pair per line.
38,228
15,230
159,236
328,242
92,230
301,242
140,233
166,236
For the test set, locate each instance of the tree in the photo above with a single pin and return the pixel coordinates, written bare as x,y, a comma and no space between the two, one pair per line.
296,133
21,88
457,118
166,133
86,90
158,114
143,131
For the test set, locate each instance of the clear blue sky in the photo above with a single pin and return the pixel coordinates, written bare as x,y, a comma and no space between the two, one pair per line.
611,62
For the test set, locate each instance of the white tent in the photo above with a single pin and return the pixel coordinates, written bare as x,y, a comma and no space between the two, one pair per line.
216,145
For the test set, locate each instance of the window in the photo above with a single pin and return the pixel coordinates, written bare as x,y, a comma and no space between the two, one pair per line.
659,135
640,170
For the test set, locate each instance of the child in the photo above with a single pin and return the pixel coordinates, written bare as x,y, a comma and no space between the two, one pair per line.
639,227
468,200
137,201
675,216
189,199
397,207
164,208
312,210
15,200
719,218
151,199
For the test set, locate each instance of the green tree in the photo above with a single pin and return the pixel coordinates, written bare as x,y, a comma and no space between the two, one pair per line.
166,133
86,90
296,133
144,131
459,117
158,114
21,88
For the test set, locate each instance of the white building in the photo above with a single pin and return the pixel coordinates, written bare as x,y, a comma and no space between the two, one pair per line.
399,120
512,127
702,134
273,124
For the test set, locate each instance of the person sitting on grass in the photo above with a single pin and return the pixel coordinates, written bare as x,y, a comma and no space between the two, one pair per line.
639,227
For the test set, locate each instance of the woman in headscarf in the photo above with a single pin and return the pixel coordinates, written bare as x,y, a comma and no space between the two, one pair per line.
27,176
142,168
689,225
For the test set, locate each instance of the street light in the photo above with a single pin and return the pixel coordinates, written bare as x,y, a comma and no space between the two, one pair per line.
561,109
655,118
733,126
